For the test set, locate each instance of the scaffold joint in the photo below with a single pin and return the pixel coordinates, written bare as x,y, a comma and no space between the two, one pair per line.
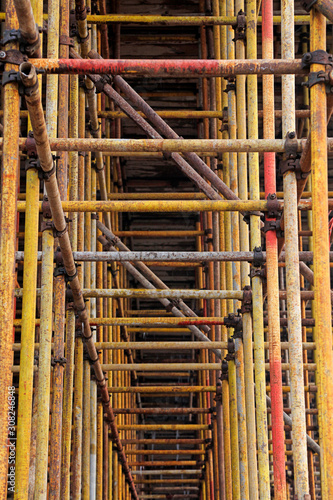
58,361
317,57
233,321
247,215
15,35
273,225
321,76
66,40
231,351
231,85
224,370
273,207
257,271
224,120
12,56
12,76
247,300
258,257
240,27
101,83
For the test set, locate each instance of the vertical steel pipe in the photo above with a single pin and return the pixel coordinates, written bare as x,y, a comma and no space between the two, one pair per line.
322,303
272,268
292,265
9,182
255,241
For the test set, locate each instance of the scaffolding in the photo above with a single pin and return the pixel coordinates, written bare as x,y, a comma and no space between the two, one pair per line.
165,282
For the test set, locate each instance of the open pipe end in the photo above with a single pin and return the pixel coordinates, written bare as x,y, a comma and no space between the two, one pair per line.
28,74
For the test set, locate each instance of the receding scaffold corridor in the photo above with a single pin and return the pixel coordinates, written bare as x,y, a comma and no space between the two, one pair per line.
165,268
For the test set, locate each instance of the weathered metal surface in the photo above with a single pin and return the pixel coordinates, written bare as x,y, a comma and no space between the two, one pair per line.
163,371
9,185
171,68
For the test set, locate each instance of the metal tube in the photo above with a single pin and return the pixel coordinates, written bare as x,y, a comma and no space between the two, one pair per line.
24,414
322,306
9,183
198,257
29,30
292,267
170,145
272,270
172,67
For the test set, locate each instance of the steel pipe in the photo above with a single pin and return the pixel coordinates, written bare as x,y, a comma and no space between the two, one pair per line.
171,68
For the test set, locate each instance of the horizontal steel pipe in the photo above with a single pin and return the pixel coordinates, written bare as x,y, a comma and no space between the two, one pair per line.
166,472
170,206
166,452
163,427
172,346
159,206
163,20
165,463
169,145
193,114
169,20
162,389
156,367
161,345
158,294
161,411
172,256
171,67
164,441
168,481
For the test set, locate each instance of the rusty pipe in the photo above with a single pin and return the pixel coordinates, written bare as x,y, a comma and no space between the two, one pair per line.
28,28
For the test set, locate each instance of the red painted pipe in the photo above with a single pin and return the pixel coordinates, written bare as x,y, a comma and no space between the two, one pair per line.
272,268
171,67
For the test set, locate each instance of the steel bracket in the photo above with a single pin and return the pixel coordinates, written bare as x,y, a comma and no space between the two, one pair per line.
240,27
247,215
231,85
30,145
224,120
12,76
80,14
273,225
231,350
13,56
73,27
101,83
258,257
46,209
56,234
317,57
293,165
291,145
321,76
273,207
58,361
232,321
66,40
247,300
218,396
14,35
224,370
257,268
257,272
